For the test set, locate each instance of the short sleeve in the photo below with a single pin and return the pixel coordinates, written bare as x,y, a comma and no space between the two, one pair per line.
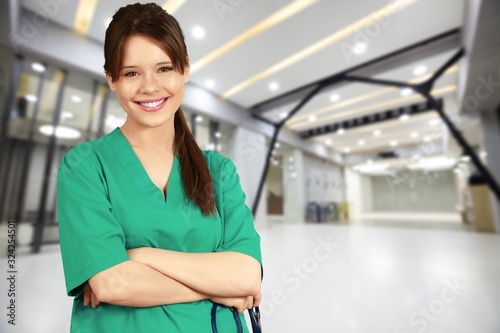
91,238
239,230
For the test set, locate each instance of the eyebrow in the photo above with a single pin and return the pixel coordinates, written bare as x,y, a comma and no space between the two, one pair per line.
158,64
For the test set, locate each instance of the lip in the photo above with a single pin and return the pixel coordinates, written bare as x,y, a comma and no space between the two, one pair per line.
152,109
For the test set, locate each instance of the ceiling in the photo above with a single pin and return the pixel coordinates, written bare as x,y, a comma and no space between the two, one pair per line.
251,45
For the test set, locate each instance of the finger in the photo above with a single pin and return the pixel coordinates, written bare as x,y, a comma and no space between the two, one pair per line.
86,294
250,301
256,300
95,301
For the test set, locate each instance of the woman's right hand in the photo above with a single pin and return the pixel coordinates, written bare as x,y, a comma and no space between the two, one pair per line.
89,296
240,303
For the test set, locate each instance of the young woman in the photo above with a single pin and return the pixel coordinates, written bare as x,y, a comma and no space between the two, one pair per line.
153,230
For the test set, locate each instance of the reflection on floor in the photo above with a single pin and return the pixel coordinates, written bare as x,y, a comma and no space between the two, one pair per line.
331,278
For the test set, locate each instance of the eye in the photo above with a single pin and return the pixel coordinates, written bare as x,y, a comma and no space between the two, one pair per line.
165,69
131,74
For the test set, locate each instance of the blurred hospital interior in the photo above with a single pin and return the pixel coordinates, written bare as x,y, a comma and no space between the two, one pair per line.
366,135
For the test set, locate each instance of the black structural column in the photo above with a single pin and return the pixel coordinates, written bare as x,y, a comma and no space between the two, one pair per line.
49,159
277,128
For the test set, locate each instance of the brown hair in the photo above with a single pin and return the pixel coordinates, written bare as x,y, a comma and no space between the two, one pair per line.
150,20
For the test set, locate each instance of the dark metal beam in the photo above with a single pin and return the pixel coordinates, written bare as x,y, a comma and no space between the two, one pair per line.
277,128
425,90
373,118
435,45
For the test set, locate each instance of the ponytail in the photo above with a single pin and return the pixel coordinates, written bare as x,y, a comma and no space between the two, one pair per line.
195,173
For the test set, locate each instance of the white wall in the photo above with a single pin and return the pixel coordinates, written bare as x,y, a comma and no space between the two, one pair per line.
431,192
294,204
324,180
248,152
358,193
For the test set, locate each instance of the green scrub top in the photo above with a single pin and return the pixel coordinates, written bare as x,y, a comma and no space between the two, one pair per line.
108,204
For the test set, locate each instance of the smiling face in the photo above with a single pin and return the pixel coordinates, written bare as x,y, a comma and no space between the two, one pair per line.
148,88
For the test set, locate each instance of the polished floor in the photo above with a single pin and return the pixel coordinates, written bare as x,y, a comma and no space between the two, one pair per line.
367,278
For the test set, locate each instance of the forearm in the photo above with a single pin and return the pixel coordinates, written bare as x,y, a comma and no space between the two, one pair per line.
135,284
225,274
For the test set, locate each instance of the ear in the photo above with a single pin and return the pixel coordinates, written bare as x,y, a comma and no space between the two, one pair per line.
187,71
111,83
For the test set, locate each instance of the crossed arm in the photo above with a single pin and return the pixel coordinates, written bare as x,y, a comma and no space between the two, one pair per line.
158,277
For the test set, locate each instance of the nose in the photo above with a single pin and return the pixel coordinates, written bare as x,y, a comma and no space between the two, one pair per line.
149,83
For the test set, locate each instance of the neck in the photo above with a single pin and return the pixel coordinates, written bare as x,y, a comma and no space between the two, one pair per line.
150,138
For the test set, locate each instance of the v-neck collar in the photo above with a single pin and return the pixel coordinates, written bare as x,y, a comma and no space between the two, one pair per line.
131,163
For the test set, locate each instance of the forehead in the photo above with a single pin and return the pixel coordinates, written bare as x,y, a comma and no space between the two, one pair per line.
139,50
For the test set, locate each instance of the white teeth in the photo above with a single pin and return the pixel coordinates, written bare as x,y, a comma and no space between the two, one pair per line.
152,104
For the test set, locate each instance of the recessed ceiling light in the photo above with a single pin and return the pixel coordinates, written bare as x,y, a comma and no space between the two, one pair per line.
62,132
347,150
198,32
419,70
334,97
414,135
283,114
427,139
277,145
198,119
361,142
369,162
31,98
273,86
312,118
483,154
275,162
328,141
340,131
217,135
406,92
290,159
394,143
67,115
209,83
38,67
360,48
377,132
76,99
404,117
